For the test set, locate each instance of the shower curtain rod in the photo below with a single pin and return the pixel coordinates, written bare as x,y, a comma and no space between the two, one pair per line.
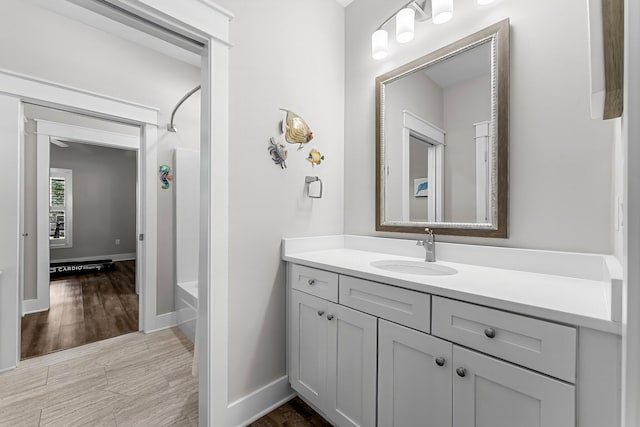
171,127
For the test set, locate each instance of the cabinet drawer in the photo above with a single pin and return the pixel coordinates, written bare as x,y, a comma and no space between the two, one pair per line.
399,305
315,282
539,345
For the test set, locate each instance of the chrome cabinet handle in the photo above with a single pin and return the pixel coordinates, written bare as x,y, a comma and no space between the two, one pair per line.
320,313
311,282
461,372
440,361
490,332
330,317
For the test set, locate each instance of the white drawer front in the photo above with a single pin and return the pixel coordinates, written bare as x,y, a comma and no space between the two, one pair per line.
315,282
539,345
402,306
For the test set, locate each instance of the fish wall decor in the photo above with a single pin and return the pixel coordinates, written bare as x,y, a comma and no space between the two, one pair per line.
315,157
165,176
295,129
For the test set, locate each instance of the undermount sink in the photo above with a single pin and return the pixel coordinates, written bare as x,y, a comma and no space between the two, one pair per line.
414,267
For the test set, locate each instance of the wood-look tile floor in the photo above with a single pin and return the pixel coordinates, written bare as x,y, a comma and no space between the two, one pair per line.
294,413
84,308
130,380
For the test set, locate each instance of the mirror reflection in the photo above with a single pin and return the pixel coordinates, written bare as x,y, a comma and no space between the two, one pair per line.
437,123
439,139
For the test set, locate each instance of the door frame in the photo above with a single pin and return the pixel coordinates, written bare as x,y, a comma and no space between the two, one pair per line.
207,22
45,132
16,89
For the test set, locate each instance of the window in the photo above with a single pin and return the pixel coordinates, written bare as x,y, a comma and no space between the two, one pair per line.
60,208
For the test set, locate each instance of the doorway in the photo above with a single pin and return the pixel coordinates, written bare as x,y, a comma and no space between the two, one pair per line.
84,248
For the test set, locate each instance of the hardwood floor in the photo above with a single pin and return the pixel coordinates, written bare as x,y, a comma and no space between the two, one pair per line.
130,380
294,413
84,308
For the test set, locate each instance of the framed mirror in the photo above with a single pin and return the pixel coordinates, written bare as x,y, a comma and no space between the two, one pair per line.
442,138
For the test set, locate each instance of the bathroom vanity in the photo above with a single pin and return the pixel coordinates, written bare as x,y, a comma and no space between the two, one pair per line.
484,337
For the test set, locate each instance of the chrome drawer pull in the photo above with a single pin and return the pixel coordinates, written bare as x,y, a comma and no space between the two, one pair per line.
440,361
320,313
490,332
330,317
311,282
461,372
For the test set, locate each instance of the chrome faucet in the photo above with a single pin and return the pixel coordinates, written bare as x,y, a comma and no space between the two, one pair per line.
429,244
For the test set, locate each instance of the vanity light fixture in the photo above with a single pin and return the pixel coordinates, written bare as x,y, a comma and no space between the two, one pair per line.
379,44
405,25
441,11
406,17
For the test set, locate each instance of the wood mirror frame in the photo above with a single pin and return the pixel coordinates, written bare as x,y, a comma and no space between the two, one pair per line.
498,227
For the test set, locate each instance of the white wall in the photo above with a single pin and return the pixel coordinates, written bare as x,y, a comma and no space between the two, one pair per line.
46,45
286,54
560,159
631,231
399,96
9,227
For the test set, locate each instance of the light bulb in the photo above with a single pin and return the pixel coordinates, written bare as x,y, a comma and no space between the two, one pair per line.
441,11
405,25
379,44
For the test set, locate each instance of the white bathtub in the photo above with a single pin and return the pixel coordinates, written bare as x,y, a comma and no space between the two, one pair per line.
187,308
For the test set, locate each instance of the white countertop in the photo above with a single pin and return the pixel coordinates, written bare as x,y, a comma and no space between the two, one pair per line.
582,301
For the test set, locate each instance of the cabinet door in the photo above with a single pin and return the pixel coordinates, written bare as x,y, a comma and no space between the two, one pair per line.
351,381
493,393
413,389
308,349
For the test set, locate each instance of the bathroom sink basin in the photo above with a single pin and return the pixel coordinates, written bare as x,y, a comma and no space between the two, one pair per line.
420,268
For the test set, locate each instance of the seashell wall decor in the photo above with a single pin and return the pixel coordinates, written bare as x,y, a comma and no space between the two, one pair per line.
295,129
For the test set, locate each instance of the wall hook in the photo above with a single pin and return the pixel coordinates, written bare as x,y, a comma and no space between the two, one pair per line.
307,181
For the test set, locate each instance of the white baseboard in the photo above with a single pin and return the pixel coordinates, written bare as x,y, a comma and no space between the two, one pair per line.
162,321
248,409
33,306
114,257
7,369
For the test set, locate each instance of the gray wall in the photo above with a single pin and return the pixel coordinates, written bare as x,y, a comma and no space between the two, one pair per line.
104,199
464,104
418,168
560,159
43,44
34,112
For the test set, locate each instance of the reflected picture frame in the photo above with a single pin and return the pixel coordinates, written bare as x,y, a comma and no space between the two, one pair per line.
421,187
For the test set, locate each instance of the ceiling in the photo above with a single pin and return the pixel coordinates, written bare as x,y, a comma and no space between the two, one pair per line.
126,32
460,68
118,29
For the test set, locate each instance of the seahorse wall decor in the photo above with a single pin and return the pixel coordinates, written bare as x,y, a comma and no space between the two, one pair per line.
165,176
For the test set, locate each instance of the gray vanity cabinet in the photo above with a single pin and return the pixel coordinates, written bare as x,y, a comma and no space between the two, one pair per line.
308,347
488,392
332,357
370,354
414,378
428,382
